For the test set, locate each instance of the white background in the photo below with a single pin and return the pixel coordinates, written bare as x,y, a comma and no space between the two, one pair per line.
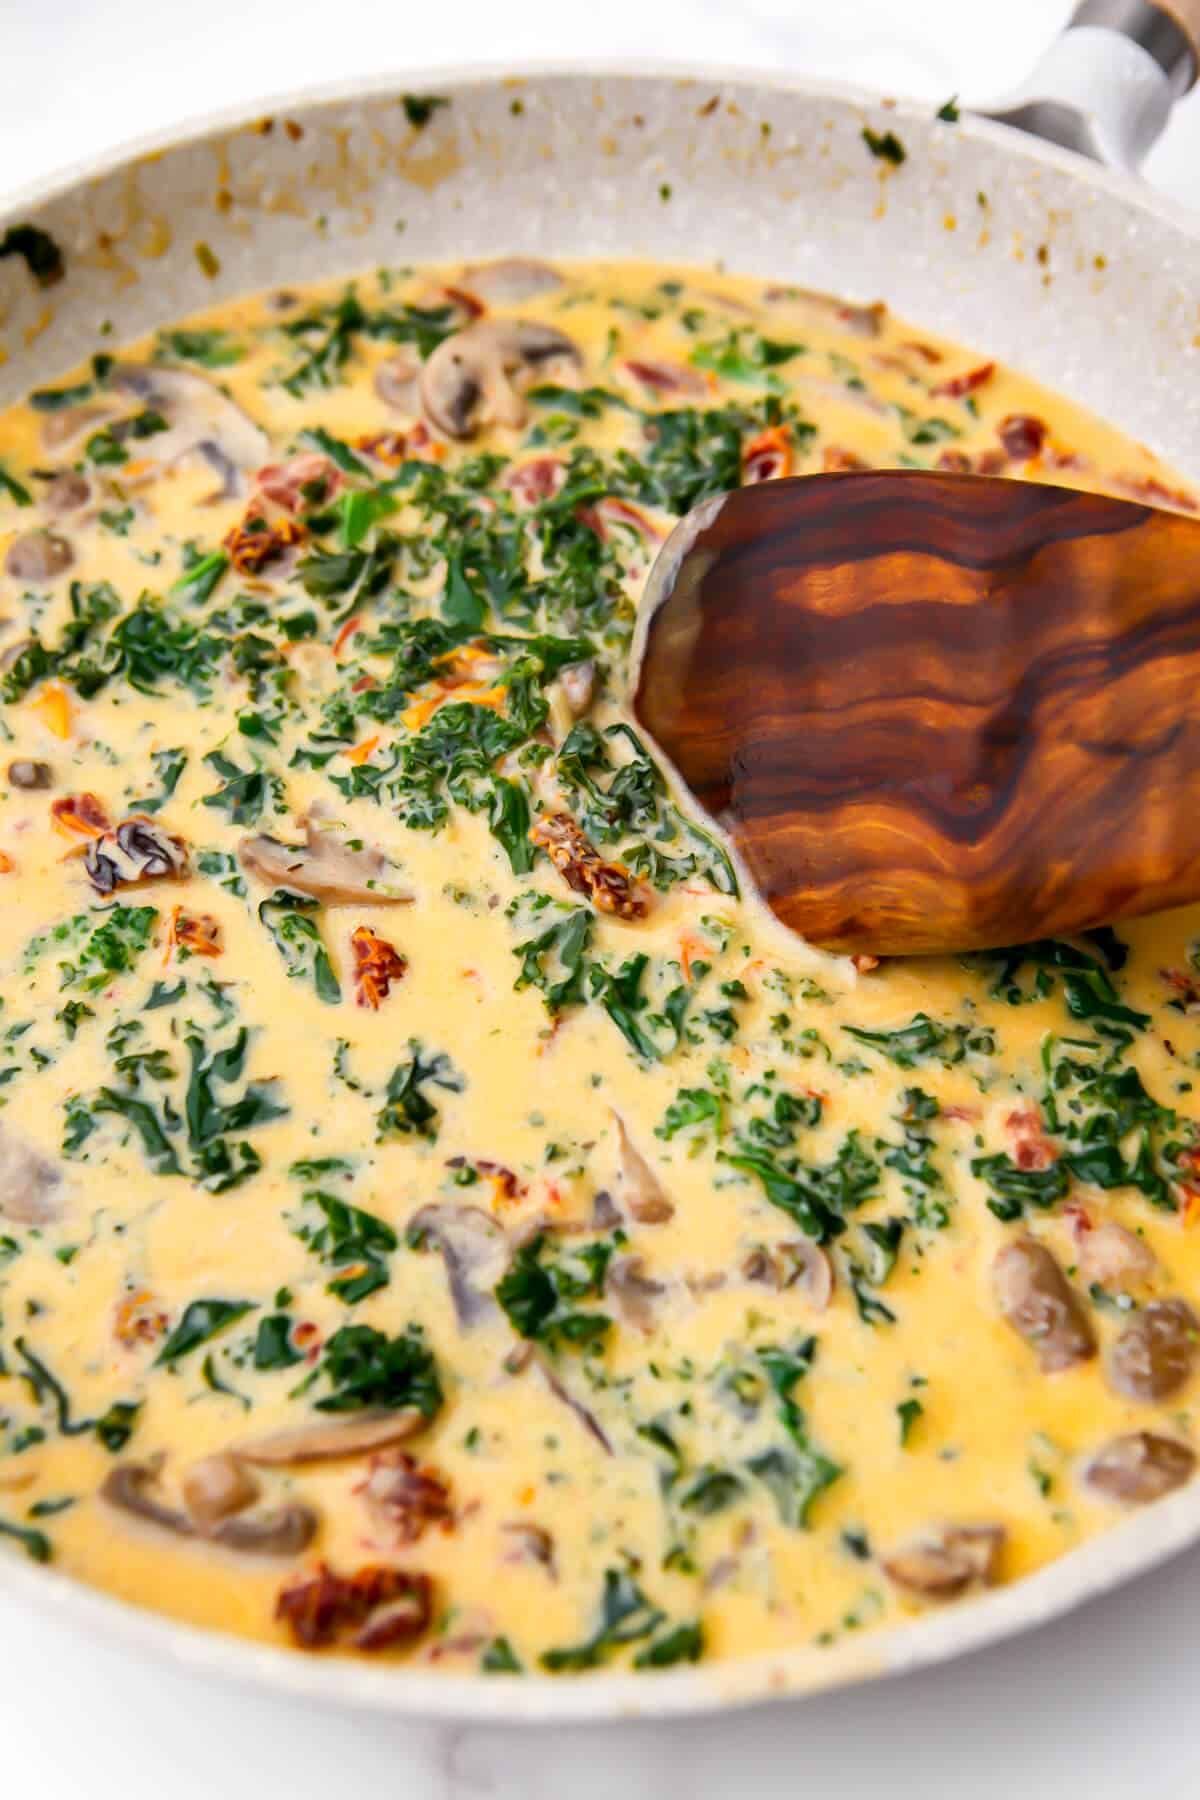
1101,1705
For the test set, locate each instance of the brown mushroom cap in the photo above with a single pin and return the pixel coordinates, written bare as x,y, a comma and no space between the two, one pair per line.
1038,1301
322,866
944,1562
1154,1355
326,1440
38,556
475,377
1139,1467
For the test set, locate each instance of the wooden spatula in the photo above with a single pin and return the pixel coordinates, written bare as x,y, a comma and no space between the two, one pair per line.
934,712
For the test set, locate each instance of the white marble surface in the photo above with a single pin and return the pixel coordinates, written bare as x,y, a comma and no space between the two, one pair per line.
1101,1704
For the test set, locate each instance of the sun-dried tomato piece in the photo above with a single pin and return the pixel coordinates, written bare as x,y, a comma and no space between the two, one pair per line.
302,480
768,456
395,447
405,1498
376,965
834,460
80,816
668,378
611,512
1031,1148
254,543
138,1320
971,379
197,933
610,887
380,1606
540,479
505,1181
1022,434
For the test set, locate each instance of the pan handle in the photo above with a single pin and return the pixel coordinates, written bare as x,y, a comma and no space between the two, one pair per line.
1107,86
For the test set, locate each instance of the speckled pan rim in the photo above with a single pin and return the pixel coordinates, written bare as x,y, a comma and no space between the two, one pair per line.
1134,1546
201,126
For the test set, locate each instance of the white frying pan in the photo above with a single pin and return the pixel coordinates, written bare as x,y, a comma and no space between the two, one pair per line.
1063,267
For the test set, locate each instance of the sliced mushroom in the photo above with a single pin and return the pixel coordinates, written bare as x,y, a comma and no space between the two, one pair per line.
200,420
396,381
530,1544
1038,1301
329,1439
322,866
1154,1355
139,849
943,1563
61,428
67,492
130,1486
1108,1253
38,556
605,1213
474,1250
30,775
510,281
586,1417
797,1263
475,377
1139,1467
828,309
215,1487
29,1183
578,684
634,1291
285,1532
641,1189
668,378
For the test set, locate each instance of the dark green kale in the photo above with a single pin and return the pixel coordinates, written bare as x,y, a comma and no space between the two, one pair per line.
408,1109
201,1321
540,1297
355,1242
288,918
365,1368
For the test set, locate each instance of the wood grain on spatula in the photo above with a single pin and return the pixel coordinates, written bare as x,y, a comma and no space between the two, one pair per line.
935,712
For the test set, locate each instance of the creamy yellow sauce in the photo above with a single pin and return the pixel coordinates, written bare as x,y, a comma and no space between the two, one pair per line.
653,1452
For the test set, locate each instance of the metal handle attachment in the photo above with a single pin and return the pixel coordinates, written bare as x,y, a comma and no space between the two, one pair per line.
1107,86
